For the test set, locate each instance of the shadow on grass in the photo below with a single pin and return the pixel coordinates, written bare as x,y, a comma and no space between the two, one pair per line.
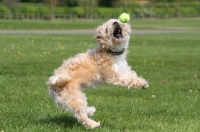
61,121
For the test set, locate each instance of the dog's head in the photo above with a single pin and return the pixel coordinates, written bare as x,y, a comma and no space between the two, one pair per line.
113,35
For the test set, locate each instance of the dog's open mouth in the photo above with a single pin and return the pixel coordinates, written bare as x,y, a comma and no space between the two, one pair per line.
118,31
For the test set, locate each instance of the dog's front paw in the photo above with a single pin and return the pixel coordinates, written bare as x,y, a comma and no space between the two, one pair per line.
141,83
145,86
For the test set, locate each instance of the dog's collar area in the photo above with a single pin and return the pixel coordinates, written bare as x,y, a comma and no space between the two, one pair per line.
114,52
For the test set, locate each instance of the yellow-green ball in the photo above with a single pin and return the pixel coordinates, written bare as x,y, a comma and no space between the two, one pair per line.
124,17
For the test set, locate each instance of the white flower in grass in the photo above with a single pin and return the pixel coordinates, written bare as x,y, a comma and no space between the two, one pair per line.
195,76
153,96
190,91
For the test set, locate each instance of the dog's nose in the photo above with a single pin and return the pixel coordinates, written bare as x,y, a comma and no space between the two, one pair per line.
115,23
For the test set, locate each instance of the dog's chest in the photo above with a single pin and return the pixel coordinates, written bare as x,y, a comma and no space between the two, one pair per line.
120,65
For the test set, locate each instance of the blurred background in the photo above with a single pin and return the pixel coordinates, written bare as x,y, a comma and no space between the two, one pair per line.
98,9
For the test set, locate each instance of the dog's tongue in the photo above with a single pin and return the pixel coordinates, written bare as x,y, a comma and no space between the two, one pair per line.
118,35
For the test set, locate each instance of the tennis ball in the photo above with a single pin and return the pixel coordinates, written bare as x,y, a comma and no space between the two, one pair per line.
124,17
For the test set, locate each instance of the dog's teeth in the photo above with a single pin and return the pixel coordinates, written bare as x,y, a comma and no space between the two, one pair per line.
119,30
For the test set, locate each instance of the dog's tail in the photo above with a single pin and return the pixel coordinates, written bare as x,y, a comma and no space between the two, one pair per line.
58,97
56,81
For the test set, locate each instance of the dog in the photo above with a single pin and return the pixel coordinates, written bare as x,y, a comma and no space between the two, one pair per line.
106,63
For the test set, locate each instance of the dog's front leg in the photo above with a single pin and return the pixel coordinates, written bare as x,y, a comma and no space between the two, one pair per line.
130,80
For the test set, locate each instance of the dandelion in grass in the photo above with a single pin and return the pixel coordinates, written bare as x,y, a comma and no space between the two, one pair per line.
20,53
196,90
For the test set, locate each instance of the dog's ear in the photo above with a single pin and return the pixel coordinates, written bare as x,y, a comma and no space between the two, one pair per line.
100,34
98,37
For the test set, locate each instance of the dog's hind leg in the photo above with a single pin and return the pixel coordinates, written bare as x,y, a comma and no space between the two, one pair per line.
78,104
91,110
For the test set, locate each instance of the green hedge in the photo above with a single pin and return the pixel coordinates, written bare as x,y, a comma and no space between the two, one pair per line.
108,12
136,9
64,10
3,9
164,11
43,10
188,11
31,9
78,11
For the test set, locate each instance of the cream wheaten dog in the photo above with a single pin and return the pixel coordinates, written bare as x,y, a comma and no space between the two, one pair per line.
104,64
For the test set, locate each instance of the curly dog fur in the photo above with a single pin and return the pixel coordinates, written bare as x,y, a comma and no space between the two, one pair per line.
104,64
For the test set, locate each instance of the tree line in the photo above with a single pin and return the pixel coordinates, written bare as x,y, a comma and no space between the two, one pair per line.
100,3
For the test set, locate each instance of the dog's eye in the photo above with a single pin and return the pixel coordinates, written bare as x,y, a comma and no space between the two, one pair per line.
106,30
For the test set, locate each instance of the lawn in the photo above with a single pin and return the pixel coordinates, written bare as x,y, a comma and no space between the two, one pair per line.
164,24
170,63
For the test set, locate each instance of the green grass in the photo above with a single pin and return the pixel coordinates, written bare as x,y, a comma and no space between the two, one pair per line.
166,24
170,62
